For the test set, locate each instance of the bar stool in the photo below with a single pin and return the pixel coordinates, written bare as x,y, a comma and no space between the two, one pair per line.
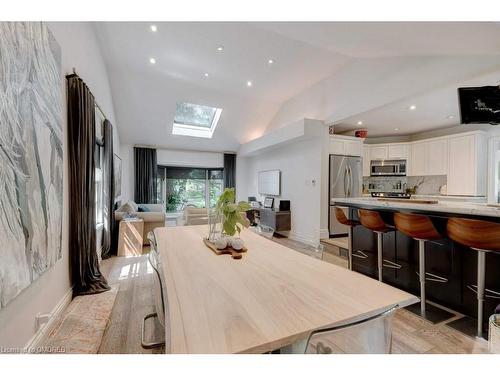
373,221
421,229
341,218
482,236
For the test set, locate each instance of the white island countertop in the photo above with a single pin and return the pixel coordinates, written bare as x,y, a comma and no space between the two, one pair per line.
443,206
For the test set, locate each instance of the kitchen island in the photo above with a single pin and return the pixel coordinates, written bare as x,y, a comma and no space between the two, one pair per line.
450,267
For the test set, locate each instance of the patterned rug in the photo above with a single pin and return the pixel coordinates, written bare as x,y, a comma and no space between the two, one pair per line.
81,326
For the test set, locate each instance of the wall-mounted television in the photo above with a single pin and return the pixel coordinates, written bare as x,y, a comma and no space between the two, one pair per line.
270,182
479,105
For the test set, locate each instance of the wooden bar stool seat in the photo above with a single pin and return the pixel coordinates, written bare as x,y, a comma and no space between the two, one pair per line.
341,218
373,221
421,229
481,236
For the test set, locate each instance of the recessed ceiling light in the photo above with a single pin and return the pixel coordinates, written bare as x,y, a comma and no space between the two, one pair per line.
270,61
450,117
220,48
206,74
152,60
249,83
360,122
412,107
396,129
154,28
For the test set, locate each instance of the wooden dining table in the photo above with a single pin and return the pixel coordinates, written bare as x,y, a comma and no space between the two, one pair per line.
271,298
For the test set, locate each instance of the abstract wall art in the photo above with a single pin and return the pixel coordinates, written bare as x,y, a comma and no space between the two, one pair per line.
31,155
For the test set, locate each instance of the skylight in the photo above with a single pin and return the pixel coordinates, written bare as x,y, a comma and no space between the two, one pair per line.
195,120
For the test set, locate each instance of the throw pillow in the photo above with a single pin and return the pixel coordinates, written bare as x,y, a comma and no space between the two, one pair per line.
143,208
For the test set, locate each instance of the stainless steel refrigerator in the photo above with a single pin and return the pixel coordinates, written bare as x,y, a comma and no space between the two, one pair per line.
346,181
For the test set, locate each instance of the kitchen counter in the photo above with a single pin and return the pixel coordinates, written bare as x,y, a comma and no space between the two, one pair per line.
444,207
453,266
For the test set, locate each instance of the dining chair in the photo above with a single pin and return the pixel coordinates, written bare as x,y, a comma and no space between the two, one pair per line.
318,251
372,335
264,231
154,261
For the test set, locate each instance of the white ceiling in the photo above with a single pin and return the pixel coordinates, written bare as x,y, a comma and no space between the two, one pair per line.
304,53
433,109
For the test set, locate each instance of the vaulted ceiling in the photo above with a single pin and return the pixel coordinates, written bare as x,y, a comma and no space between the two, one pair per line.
328,71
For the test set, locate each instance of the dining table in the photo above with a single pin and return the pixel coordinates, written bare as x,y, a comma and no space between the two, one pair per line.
271,298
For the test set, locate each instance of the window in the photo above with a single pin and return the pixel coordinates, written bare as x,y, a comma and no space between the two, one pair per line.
179,187
195,120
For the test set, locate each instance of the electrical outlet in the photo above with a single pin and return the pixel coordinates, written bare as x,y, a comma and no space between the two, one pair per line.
41,320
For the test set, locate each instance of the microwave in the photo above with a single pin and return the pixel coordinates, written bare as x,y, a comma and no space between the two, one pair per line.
388,168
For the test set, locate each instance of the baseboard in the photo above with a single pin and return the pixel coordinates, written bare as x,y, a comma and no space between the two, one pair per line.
324,233
301,237
38,337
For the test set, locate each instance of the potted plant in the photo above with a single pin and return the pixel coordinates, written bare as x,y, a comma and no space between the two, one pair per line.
233,219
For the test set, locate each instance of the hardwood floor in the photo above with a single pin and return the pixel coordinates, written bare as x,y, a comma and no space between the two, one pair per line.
134,299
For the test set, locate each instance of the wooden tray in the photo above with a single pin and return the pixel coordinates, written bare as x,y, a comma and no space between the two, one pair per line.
400,200
235,254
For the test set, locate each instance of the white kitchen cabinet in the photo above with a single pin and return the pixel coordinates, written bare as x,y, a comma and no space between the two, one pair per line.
354,148
418,159
379,152
366,161
337,146
467,164
397,151
436,154
344,145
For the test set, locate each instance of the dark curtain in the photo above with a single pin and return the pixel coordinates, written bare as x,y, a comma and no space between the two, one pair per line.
229,170
108,246
85,273
145,175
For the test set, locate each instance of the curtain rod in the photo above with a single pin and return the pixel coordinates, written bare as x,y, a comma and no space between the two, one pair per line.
95,101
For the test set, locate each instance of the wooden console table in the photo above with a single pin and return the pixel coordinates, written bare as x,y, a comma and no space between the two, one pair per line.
130,237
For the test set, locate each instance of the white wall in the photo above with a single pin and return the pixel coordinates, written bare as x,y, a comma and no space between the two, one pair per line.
300,163
179,158
79,50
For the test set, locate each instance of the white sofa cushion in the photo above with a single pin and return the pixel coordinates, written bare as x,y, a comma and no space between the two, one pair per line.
130,207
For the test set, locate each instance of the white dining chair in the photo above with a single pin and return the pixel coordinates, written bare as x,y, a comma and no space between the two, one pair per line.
368,336
159,295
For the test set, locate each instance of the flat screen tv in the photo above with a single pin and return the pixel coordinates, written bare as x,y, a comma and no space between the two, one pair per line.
270,182
479,105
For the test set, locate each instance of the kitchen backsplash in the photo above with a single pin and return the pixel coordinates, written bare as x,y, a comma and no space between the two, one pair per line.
425,185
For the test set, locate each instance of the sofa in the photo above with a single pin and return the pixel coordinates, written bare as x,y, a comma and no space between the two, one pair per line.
153,215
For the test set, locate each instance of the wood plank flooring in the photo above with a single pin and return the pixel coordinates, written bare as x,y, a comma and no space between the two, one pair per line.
134,299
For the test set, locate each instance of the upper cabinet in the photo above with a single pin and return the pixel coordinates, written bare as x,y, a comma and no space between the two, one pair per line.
417,162
391,151
429,158
398,151
461,157
343,145
467,164
379,152
366,160
436,162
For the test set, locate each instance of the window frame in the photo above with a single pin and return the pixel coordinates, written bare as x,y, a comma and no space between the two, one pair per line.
179,128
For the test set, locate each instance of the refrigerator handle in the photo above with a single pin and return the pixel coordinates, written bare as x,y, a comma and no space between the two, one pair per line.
350,181
345,181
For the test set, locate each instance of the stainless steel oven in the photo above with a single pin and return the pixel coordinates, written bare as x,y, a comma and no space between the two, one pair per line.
388,168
